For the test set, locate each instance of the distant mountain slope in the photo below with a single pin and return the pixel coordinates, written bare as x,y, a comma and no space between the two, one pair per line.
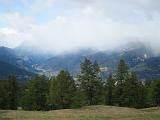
7,69
20,58
10,56
11,62
139,58
69,62
150,68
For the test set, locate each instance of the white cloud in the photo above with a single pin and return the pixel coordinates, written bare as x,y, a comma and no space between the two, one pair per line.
100,24
9,37
17,21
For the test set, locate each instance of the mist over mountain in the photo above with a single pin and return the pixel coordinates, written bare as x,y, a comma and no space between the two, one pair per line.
60,26
140,58
136,55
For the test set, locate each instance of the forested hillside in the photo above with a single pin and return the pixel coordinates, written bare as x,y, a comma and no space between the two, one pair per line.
62,91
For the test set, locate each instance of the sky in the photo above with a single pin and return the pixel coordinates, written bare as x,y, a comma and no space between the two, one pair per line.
60,26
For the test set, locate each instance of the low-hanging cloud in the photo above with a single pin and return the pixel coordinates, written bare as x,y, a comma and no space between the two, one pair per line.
97,24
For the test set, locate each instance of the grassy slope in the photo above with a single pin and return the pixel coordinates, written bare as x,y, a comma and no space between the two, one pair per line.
86,113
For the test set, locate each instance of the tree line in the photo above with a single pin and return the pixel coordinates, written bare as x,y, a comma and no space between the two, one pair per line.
63,91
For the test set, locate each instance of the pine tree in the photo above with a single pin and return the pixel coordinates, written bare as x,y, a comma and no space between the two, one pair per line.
109,89
90,82
148,91
156,92
120,79
12,93
3,95
62,91
36,94
96,68
130,92
142,96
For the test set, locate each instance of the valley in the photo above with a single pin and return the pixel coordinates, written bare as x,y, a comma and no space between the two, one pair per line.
139,58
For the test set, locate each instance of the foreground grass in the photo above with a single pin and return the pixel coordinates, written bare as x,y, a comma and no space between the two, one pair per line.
85,113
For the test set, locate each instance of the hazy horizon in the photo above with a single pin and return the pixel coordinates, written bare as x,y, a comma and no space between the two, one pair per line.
64,26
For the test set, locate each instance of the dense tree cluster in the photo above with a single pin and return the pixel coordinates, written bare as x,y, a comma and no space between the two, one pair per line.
63,91
9,93
90,83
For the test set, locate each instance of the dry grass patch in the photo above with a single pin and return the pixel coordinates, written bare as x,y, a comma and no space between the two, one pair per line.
85,113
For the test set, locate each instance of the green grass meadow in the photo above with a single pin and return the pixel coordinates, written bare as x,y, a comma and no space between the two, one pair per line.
85,113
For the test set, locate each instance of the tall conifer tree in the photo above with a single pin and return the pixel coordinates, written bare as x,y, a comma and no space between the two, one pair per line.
120,80
90,82
12,92
109,90
62,91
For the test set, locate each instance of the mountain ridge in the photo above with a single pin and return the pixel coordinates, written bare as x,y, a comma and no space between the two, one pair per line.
134,54
7,69
139,58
